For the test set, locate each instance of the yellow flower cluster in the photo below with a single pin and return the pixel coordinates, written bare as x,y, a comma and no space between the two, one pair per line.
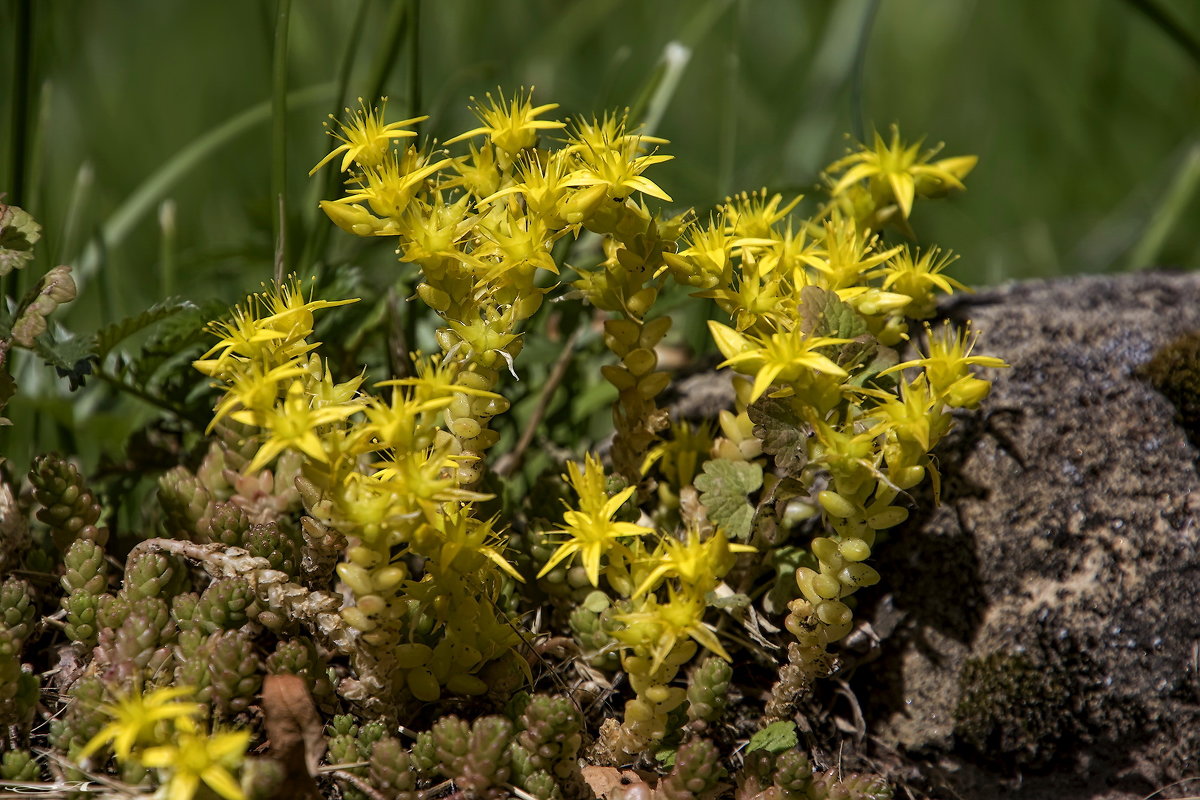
156,731
658,633
815,308
482,225
384,471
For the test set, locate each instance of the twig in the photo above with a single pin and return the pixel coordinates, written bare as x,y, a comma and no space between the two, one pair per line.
510,462
358,783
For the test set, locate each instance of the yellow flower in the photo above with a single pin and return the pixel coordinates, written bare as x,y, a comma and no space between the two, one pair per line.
196,758
243,337
917,276
591,528
134,717
289,312
698,565
752,215
389,186
465,537
898,170
786,356
844,253
706,261
946,366
657,627
292,424
609,160
512,125
366,139
253,386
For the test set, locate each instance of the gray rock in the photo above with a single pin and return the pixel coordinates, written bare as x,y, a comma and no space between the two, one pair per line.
1045,618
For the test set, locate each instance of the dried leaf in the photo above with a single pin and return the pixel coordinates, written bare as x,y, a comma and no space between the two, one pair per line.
609,782
296,734
19,232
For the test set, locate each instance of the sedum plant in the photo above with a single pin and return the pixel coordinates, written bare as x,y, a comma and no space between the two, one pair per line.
342,528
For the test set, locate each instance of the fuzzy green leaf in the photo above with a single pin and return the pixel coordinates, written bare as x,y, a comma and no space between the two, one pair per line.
725,488
71,357
177,340
783,432
19,232
110,336
822,313
775,738
882,358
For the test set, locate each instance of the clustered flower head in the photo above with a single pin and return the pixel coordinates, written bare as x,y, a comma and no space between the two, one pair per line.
160,731
816,309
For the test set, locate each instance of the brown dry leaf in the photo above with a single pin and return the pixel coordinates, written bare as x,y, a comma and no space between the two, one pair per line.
295,732
610,783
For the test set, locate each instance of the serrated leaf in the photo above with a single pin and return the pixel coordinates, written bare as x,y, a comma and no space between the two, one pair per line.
784,434
110,336
71,357
822,313
883,358
854,353
19,232
777,737
725,488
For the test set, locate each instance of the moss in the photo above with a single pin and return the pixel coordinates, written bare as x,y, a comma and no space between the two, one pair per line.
1175,372
1013,710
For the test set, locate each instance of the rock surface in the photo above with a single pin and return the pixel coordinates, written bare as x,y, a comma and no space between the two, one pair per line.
1042,631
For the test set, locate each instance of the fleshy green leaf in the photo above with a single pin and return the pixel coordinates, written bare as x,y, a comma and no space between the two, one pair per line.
784,434
19,232
775,738
726,601
110,336
822,313
725,488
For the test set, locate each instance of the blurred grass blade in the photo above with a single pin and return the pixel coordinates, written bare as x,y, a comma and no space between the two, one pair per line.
81,193
1164,219
317,231
154,188
279,83
398,22
166,247
660,85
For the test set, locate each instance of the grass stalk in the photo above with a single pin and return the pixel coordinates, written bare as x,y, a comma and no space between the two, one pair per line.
279,95
1175,201
318,232
151,191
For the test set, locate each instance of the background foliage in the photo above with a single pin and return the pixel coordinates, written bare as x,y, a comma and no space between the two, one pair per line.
140,132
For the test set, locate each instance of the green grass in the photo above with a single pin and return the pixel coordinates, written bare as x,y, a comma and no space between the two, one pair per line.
1084,114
